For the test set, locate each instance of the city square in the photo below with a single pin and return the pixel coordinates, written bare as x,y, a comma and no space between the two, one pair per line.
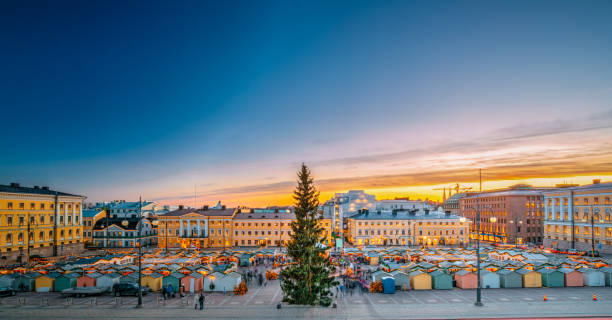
306,159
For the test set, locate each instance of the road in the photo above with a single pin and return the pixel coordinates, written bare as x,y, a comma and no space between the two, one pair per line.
260,303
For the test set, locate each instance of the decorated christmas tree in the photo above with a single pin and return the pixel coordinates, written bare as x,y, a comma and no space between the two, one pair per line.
308,280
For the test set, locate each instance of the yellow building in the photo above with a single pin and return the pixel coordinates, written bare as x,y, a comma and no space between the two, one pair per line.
90,217
406,227
197,228
576,215
262,227
39,221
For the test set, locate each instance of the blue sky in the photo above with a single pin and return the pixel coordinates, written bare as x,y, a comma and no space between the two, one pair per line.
118,99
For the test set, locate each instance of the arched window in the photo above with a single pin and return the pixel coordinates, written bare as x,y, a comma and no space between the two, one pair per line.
50,234
70,233
78,232
9,238
20,237
41,236
62,233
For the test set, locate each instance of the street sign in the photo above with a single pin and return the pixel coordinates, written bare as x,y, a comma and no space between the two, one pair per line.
338,243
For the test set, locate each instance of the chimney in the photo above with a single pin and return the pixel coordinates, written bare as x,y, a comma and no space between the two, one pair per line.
45,188
14,185
181,207
223,207
205,207
36,187
596,181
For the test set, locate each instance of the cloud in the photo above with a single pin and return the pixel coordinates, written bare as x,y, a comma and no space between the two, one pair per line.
517,152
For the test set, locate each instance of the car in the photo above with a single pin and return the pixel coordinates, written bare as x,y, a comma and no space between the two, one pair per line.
128,288
5,292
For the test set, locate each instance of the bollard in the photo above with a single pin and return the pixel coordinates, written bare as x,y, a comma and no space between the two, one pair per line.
22,301
545,299
116,301
68,301
594,297
93,301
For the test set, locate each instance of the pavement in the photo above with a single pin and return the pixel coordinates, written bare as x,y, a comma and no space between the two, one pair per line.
260,303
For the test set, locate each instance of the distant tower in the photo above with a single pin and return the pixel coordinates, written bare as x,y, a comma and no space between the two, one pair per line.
443,194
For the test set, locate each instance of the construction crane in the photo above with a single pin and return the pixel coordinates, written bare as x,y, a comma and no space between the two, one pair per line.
457,187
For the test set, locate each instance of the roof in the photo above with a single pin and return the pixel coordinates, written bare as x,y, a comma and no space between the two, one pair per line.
16,188
595,186
265,215
204,212
90,213
101,224
403,215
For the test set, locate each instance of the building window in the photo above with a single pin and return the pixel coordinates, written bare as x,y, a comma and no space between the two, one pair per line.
9,221
10,205
21,205
32,206
9,238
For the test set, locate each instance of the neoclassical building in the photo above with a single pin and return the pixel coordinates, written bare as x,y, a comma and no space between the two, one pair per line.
579,217
196,228
407,227
39,221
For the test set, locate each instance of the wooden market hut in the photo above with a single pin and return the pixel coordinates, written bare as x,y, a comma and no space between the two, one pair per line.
192,282
466,280
607,275
65,281
108,280
46,282
210,281
373,257
88,279
490,280
531,278
26,282
173,279
552,278
8,280
510,279
592,277
378,275
129,278
441,280
153,281
228,282
420,280
571,277
402,280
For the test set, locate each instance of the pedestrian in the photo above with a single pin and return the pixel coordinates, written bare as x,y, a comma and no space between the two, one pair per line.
164,292
195,301
201,299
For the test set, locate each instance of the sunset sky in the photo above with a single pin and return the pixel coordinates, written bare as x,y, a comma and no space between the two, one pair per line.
113,99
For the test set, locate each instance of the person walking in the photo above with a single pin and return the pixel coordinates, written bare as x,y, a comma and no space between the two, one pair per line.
201,300
196,299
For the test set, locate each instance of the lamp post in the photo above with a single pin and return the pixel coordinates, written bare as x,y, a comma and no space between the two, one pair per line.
479,288
138,244
594,211
516,231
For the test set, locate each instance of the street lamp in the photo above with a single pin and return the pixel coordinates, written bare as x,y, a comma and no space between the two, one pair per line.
138,244
479,288
516,226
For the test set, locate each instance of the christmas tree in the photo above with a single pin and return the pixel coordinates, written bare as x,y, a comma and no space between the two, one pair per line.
308,280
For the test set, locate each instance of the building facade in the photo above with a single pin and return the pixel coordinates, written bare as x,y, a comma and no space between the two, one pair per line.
579,217
407,227
39,221
512,215
196,228
90,217
123,233
262,227
451,205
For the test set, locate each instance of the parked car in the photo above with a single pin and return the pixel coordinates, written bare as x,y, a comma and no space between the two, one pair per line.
5,292
128,289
